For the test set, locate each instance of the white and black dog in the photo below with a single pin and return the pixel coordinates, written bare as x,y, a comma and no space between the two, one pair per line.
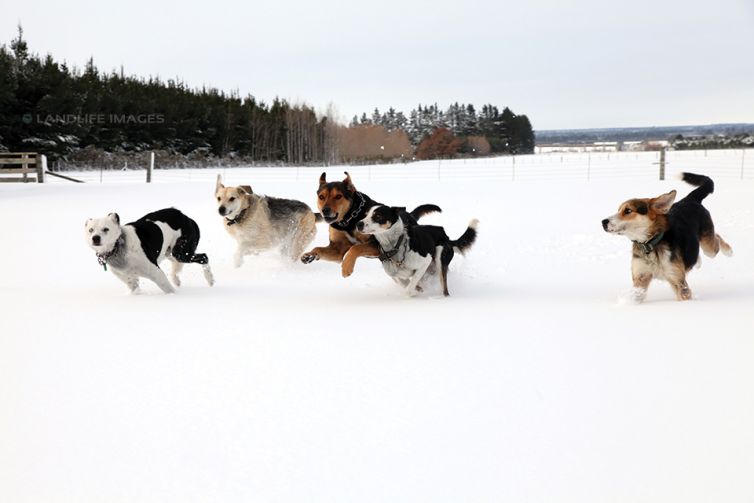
134,250
409,251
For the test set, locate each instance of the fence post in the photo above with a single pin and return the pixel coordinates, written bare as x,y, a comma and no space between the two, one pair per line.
588,167
41,168
513,169
150,168
743,156
662,163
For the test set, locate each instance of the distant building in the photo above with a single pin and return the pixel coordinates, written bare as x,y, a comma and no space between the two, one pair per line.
598,146
601,146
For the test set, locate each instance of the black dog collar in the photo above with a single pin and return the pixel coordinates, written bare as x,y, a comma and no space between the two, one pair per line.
233,221
344,224
103,258
387,255
649,246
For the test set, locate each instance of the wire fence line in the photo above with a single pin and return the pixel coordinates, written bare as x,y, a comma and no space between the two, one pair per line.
733,163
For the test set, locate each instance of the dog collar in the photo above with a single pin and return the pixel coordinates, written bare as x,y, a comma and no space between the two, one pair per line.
388,255
353,214
649,246
233,221
102,259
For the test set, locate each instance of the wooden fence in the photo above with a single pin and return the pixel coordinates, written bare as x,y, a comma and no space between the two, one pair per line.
29,165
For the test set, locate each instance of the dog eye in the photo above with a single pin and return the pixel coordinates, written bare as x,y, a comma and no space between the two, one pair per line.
91,230
232,199
321,198
105,230
218,199
627,211
338,197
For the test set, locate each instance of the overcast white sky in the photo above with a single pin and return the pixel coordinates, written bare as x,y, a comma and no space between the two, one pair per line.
566,64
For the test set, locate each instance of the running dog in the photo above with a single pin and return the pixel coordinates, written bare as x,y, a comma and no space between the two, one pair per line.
135,250
410,252
666,236
259,223
342,206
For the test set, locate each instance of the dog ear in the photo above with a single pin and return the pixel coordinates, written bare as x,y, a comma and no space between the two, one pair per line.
662,204
246,189
114,217
348,183
322,178
219,185
398,209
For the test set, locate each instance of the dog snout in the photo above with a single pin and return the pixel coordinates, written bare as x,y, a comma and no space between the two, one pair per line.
327,212
221,210
605,222
360,226
95,240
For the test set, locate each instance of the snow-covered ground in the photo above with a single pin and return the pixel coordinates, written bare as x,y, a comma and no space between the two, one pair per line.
286,382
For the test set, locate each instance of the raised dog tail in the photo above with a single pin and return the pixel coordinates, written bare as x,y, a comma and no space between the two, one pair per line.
705,186
425,209
462,244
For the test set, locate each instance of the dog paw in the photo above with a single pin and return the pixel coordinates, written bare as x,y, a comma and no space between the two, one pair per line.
176,281
308,258
347,269
634,296
208,275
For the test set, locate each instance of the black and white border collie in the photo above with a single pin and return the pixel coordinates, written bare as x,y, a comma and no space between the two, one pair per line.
409,251
666,237
134,250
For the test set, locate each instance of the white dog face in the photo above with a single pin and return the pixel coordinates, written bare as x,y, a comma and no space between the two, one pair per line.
378,219
229,199
102,233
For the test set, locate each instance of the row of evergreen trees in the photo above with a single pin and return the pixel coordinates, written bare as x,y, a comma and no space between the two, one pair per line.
505,131
49,107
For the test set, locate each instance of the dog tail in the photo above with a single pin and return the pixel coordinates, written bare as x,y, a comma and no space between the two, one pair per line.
462,244
705,186
318,218
424,209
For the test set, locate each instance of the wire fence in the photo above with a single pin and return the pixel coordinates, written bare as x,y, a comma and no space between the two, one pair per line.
734,163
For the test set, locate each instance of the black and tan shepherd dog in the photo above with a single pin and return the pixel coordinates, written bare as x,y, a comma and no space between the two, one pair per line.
666,237
342,206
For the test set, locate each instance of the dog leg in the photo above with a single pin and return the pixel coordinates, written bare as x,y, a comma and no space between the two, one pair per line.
682,290
157,275
208,274
131,281
238,257
724,246
332,252
710,244
176,270
356,251
443,256
302,236
676,276
418,275
641,276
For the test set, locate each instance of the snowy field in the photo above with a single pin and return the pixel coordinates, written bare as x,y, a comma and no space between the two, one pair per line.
286,382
